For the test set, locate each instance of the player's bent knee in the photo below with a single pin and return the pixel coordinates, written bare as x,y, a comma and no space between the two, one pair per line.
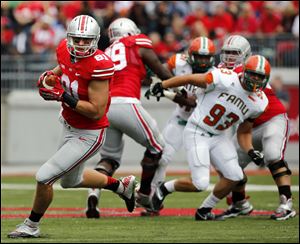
150,160
201,184
279,168
69,184
243,181
43,177
107,166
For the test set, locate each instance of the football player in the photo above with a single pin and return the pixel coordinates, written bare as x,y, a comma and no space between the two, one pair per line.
130,51
82,86
200,59
270,134
227,100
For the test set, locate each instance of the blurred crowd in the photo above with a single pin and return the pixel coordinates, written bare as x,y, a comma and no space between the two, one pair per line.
36,27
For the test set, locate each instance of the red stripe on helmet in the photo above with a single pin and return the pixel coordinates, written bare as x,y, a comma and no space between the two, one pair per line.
82,25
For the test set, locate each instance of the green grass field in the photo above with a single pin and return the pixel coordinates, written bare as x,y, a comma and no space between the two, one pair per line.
163,229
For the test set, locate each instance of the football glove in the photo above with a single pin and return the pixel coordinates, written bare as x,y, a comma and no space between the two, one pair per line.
56,93
256,156
42,77
157,89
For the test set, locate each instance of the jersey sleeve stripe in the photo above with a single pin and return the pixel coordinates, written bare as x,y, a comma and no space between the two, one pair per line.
143,40
103,70
101,75
144,43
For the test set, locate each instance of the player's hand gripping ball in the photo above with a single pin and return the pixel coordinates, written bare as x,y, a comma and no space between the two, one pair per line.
48,80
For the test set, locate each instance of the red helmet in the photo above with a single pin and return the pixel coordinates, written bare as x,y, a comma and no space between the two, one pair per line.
201,54
257,71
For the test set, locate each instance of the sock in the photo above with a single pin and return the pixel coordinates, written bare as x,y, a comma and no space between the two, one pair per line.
35,217
146,179
170,186
238,196
113,184
94,191
285,190
210,202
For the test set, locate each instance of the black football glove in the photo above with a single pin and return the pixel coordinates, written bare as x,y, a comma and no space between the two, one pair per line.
256,156
148,94
157,90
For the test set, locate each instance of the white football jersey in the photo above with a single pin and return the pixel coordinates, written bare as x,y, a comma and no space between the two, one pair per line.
180,66
225,103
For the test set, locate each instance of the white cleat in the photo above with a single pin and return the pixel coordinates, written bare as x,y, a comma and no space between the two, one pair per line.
25,230
128,194
284,211
243,207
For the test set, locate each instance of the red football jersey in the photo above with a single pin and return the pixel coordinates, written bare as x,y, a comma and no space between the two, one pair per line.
129,67
275,107
75,80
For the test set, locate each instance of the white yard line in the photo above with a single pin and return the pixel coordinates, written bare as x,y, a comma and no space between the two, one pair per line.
249,187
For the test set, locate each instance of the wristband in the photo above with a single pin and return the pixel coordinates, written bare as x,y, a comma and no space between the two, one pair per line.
68,99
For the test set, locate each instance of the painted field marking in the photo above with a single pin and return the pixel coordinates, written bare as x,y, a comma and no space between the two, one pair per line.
109,212
249,187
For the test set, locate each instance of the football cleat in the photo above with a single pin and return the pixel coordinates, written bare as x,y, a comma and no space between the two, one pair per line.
25,230
144,201
284,211
243,207
128,194
207,216
151,213
158,198
92,210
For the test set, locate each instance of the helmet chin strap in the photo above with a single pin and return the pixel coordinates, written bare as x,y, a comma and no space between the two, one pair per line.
254,88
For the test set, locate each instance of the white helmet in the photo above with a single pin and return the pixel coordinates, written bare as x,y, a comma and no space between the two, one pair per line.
122,27
83,26
235,50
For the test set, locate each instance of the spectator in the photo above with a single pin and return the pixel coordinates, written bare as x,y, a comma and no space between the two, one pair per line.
7,35
70,9
270,22
221,21
282,94
181,8
288,17
180,31
199,29
257,7
163,17
198,15
173,46
234,8
246,22
43,36
139,16
159,47
27,12
123,7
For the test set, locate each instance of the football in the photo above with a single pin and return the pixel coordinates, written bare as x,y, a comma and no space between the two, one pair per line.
49,81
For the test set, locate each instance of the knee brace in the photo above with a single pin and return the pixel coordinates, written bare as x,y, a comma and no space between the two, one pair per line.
107,166
273,167
243,181
150,160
